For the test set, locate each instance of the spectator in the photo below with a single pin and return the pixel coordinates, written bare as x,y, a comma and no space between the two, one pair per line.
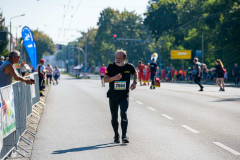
41,75
56,74
49,73
2,60
22,69
8,71
236,73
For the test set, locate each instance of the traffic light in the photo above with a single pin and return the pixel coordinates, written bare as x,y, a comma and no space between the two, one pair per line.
115,38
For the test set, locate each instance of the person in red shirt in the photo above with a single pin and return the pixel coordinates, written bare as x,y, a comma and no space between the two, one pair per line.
148,73
141,77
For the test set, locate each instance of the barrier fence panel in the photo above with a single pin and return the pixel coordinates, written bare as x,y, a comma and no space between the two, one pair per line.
37,96
25,96
20,108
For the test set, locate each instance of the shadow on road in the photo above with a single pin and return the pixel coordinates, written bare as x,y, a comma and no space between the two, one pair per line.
228,99
100,146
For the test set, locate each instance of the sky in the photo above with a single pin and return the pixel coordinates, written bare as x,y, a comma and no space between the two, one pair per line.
62,20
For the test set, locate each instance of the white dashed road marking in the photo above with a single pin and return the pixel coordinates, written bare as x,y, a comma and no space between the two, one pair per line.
139,102
151,108
227,148
166,116
189,128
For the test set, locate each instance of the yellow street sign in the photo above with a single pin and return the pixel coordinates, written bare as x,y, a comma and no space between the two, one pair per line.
181,54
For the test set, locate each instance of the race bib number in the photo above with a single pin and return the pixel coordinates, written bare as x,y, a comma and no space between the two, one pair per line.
120,85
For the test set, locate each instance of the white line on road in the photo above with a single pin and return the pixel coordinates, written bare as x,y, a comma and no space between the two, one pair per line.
190,129
139,102
151,108
131,98
227,148
166,116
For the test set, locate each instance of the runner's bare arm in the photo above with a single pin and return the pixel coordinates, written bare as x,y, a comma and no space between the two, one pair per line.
213,69
133,85
135,75
110,79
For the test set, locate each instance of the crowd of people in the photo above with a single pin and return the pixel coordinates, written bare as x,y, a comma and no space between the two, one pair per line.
47,75
170,74
195,73
11,68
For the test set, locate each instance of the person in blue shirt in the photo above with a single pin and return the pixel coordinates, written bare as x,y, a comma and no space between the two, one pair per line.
2,60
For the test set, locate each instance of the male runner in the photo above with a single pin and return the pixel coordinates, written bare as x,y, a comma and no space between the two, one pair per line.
198,75
118,75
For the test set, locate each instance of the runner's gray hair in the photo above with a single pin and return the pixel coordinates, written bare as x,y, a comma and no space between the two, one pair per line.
123,52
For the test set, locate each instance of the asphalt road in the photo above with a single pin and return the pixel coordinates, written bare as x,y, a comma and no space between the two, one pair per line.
173,122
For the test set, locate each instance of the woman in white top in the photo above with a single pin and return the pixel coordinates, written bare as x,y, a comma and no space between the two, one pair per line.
49,73
22,69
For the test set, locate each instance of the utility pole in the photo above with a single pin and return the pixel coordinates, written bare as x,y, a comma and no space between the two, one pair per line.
67,61
202,45
85,57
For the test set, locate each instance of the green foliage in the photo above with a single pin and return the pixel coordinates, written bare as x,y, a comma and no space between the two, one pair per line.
44,44
100,45
3,45
126,25
185,21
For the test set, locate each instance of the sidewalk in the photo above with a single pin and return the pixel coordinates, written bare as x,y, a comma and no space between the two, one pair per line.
29,148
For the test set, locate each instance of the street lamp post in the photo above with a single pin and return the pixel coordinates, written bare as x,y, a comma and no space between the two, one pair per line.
11,28
16,35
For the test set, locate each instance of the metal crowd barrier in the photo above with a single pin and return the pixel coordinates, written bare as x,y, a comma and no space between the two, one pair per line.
23,103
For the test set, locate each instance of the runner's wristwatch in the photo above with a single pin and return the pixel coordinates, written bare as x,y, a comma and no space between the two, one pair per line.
135,82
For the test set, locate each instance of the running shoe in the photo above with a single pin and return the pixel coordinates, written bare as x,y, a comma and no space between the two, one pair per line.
125,139
116,138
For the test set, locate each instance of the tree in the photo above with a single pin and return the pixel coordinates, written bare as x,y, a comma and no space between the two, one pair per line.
3,45
44,44
181,24
126,25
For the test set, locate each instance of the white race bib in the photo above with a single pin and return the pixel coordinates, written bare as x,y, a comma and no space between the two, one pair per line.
120,85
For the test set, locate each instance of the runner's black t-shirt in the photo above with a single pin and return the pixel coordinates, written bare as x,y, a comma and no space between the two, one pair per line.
153,67
120,87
